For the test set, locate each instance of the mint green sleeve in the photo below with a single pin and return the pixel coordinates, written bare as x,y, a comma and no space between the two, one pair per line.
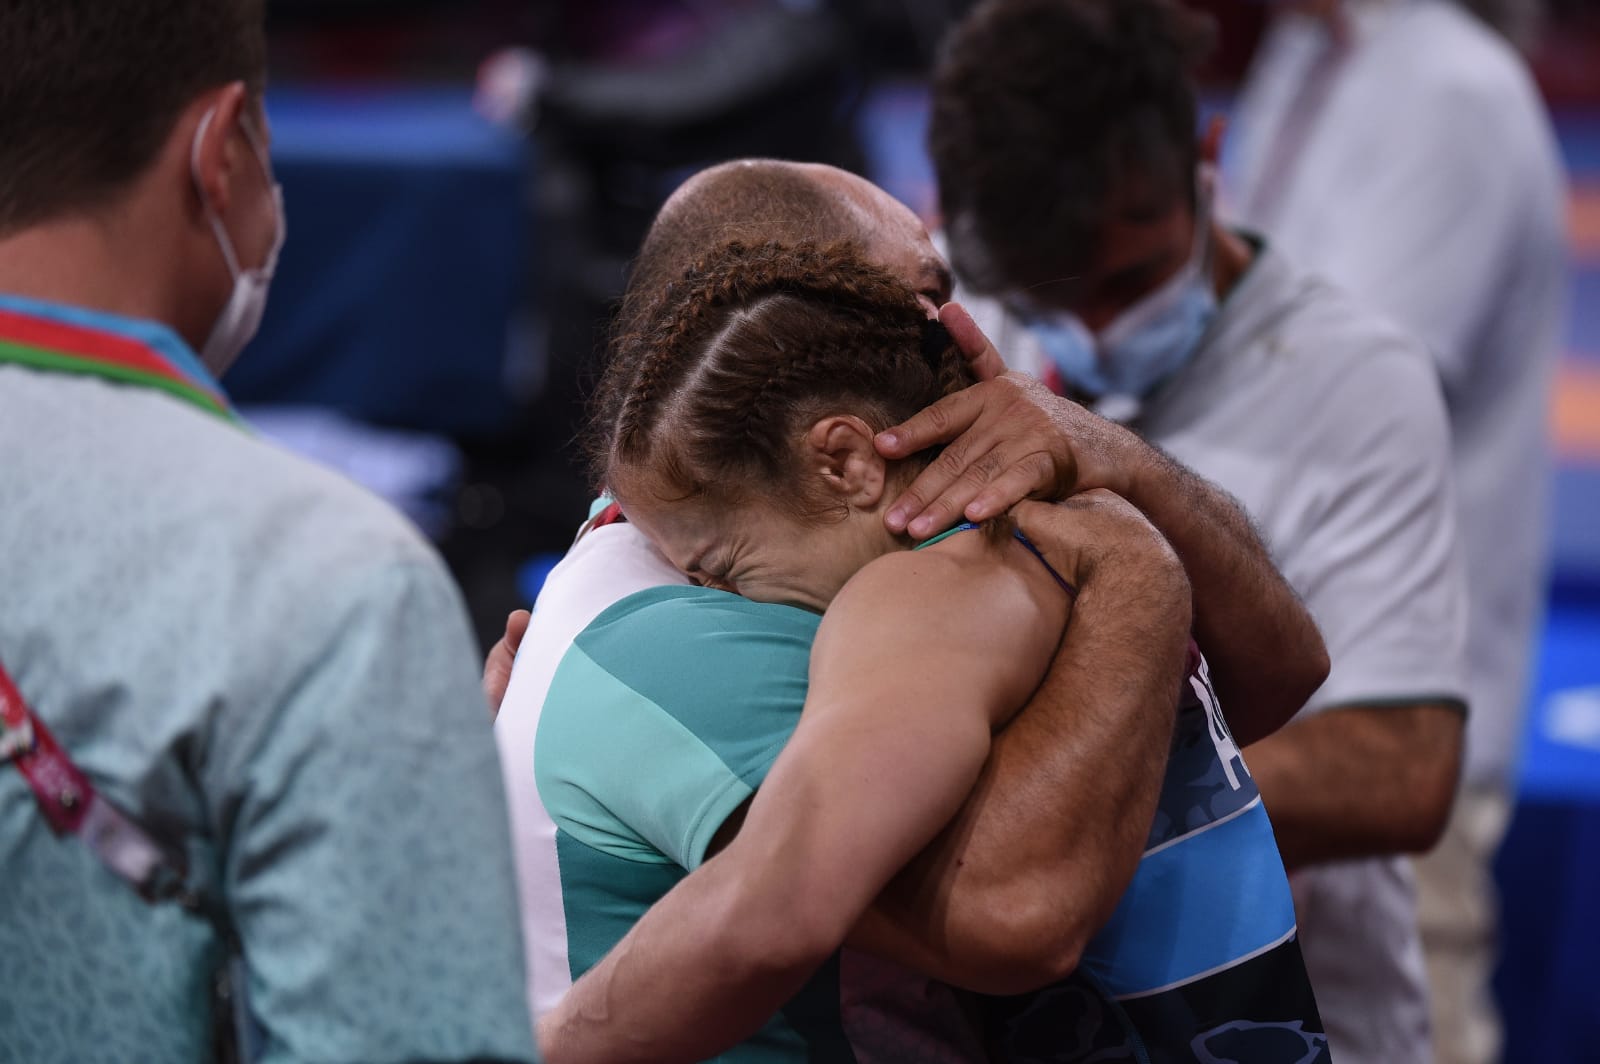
665,715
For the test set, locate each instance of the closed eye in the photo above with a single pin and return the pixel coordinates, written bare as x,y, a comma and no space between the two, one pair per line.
716,583
700,577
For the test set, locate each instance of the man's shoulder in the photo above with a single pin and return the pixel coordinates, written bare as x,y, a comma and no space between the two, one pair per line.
681,645
1333,336
155,460
728,670
603,567
681,616
1294,333
281,493
1307,371
664,714
207,537
1453,57
1457,85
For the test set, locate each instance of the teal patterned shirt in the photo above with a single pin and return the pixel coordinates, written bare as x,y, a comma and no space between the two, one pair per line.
266,666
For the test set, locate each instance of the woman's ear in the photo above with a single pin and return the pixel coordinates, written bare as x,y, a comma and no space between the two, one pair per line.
840,454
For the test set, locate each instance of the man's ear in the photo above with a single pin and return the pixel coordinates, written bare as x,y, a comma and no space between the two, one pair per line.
840,454
216,147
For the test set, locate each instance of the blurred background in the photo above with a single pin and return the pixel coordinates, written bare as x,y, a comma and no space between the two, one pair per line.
466,181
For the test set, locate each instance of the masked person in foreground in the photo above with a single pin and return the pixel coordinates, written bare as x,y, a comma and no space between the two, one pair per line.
224,672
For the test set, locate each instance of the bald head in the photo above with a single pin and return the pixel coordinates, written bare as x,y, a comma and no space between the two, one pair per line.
757,201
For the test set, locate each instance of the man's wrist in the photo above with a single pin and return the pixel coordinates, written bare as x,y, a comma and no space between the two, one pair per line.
1139,469
1138,562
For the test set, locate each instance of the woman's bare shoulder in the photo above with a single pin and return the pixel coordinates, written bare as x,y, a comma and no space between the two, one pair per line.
963,598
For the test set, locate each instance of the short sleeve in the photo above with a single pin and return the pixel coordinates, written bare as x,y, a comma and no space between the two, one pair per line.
665,715
1379,563
366,853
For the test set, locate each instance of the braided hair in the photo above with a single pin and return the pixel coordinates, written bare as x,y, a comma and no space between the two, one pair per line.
722,376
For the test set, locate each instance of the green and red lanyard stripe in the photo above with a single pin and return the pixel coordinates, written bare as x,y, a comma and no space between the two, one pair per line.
67,799
48,344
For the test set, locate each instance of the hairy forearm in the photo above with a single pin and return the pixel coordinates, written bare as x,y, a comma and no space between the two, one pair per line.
1010,439
1005,898
1265,653
1359,781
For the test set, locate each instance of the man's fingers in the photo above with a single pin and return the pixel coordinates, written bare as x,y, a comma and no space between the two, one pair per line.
502,656
497,675
940,514
981,355
516,628
957,491
1032,477
939,423
928,486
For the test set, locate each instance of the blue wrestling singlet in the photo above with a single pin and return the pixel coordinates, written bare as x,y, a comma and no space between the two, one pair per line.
1200,962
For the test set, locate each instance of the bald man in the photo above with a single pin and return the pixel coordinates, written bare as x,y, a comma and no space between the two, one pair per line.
658,708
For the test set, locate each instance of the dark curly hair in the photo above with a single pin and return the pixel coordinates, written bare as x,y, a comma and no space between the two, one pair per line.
1042,110
736,358
90,89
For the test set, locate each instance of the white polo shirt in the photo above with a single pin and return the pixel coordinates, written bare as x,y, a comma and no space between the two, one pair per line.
1327,424
1414,166
262,663
604,566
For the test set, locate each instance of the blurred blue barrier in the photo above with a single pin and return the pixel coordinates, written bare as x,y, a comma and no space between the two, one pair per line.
532,575
1549,867
396,293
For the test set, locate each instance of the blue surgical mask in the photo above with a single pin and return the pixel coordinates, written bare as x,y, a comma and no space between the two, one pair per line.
1147,343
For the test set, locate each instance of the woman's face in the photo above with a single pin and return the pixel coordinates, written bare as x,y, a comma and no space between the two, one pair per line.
759,550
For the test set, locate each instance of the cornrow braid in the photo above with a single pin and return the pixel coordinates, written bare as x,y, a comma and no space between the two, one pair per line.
732,360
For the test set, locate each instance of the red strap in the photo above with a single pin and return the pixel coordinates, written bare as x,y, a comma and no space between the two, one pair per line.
64,793
611,515
69,804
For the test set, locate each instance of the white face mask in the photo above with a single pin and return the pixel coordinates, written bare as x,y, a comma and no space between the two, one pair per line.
241,315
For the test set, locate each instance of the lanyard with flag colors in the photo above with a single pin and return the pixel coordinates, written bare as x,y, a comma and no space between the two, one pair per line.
70,804
50,344
66,798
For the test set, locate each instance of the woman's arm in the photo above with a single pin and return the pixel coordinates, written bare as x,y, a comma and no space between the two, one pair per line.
1006,897
920,657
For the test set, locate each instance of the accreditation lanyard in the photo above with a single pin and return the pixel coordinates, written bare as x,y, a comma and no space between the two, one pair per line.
70,804
49,343
66,798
